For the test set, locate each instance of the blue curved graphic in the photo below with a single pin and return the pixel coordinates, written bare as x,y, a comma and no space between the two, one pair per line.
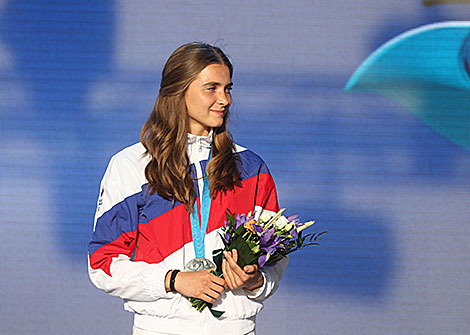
426,71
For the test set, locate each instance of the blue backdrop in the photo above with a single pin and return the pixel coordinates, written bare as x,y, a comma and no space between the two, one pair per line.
79,78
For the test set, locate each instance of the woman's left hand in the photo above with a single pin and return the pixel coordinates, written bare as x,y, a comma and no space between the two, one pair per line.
249,277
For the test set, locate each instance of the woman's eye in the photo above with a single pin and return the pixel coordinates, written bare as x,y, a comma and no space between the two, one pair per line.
211,88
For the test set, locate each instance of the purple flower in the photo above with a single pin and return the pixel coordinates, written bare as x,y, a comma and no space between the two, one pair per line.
291,218
269,250
227,237
276,240
272,245
239,220
294,219
263,259
293,232
258,229
267,235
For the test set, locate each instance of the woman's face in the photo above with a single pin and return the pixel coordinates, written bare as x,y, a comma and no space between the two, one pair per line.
208,99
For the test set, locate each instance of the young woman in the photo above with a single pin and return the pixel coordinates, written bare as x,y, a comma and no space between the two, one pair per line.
163,201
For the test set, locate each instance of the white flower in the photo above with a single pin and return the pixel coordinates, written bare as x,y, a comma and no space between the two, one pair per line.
281,222
305,225
265,217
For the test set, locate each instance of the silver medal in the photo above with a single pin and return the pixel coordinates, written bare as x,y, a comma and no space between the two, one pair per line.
198,264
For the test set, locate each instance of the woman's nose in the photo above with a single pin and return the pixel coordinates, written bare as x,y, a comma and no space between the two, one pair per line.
223,99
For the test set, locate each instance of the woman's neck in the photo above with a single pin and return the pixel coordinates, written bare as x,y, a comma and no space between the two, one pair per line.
201,132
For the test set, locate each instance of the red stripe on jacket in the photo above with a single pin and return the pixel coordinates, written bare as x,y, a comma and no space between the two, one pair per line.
169,232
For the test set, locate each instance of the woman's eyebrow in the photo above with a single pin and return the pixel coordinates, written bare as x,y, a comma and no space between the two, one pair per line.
215,83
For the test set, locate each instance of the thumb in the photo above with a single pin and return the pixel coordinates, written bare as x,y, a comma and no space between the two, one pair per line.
250,268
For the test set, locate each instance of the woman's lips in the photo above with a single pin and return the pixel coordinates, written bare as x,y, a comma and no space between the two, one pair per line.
220,113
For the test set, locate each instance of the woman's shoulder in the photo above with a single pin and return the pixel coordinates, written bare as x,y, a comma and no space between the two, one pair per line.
246,153
128,165
134,154
251,161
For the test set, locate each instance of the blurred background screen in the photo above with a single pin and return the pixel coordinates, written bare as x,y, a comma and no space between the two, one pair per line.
79,78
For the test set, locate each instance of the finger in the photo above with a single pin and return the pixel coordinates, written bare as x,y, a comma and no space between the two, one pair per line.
208,298
217,280
224,273
213,293
217,287
209,292
235,268
235,255
229,275
229,256
250,268
238,279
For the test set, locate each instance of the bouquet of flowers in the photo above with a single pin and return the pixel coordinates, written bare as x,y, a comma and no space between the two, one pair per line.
264,242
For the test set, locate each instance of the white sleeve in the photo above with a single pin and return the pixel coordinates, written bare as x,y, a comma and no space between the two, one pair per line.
115,232
136,281
272,276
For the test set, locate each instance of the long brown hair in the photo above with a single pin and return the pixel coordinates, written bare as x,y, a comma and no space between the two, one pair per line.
165,133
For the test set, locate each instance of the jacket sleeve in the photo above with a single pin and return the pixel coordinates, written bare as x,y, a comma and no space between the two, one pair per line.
114,237
266,200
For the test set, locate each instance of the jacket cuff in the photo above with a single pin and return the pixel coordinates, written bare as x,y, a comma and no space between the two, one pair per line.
253,294
159,288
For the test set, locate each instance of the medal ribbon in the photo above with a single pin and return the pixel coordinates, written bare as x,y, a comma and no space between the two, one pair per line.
198,230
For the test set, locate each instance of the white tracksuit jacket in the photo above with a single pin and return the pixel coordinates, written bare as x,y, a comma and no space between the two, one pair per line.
139,237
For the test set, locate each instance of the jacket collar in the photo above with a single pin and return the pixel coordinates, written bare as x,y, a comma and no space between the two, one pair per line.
202,141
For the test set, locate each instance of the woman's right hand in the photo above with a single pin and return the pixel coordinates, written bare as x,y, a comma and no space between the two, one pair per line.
200,284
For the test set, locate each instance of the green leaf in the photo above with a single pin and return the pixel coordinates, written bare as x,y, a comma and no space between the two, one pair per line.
240,230
217,257
317,237
245,254
215,313
230,219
